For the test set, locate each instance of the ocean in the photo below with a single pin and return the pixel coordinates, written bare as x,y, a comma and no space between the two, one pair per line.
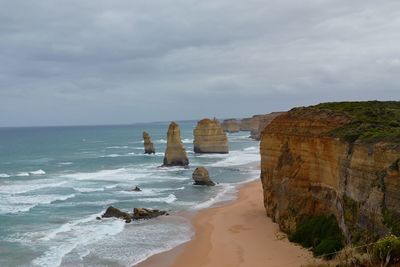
55,181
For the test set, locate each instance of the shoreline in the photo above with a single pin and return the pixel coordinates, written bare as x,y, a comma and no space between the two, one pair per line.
236,233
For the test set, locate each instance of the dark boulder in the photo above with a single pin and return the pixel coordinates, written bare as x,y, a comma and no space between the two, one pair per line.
143,213
116,213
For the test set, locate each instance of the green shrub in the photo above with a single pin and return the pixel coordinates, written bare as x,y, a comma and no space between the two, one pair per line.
321,233
371,121
387,248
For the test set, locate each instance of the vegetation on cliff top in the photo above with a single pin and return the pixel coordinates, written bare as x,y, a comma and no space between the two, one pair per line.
321,233
371,121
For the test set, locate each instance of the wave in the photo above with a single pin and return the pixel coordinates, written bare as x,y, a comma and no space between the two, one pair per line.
22,174
226,194
28,186
237,158
4,175
117,147
81,232
65,163
169,199
187,141
38,172
18,203
116,175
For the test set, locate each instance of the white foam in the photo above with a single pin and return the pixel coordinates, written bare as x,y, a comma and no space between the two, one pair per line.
38,172
161,141
169,199
18,203
121,174
117,147
4,175
65,163
22,174
27,186
225,194
81,232
236,158
187,141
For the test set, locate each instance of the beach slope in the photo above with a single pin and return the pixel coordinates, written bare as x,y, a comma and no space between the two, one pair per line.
236,234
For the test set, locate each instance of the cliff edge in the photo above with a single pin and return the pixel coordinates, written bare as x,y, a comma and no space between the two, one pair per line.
335,158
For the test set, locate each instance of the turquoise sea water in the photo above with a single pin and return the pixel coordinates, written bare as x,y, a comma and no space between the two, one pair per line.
55,181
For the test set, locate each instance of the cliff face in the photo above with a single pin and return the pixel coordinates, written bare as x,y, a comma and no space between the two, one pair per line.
261,122
230,126
255,124
148,145
209,137
305,171
175,153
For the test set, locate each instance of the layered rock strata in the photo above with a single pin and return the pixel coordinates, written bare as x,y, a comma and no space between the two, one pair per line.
175,153
201,177
260,122
148,145
230,125
209,137
305,171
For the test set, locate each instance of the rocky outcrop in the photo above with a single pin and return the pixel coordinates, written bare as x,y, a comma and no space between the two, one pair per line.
209,137
255,124
137,189
116,213
260,122
175,153
143,213
230,126
305,171
138,214
201,177
148,145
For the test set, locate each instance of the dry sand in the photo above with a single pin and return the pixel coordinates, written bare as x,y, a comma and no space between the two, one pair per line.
237,234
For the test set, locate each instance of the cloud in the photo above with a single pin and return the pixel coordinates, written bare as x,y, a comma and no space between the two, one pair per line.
89,62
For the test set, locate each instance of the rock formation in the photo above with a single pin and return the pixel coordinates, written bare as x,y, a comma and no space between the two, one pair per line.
230,126
201,177
175,153
306,170
261,121
116,213
138,214
148,145
255,124
143,213
209,137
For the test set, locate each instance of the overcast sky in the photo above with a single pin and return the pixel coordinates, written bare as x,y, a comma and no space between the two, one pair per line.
71,62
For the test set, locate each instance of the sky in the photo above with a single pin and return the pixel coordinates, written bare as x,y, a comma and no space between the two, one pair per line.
83,62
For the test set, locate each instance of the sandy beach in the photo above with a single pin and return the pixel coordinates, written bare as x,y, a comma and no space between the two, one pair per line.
236,234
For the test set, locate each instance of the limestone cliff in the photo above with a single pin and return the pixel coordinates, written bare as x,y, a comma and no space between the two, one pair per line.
148,145
306,170
260,122
175,153
209,137
254,124
230,125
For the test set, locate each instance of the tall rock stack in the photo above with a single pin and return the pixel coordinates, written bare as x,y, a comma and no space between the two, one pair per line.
209,137
148,145
175,154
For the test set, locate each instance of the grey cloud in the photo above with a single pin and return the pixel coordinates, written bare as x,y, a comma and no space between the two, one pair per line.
89,62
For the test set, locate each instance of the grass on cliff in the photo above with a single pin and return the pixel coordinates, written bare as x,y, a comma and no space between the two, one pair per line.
320,233
372,121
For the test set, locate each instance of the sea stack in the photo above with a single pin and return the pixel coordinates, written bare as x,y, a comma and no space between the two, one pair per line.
209,137
230,126
201,177
175,154
148,145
